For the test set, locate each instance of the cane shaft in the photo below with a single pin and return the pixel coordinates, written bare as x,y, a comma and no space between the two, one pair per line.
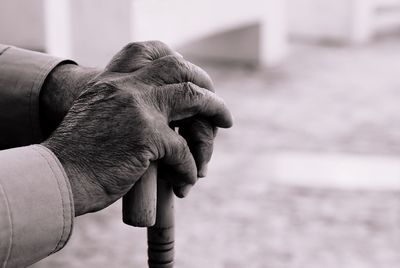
151,203
160,237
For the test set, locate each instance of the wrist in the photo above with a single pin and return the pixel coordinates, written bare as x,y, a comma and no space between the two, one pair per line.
59,91
75,174
81,170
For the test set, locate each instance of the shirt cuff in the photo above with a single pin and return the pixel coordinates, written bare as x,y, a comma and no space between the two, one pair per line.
36,205
23,73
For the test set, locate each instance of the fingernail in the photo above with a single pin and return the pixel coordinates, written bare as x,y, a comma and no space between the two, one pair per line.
185,190
203,171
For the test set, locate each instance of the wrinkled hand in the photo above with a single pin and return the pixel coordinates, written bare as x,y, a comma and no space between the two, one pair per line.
67,81
121,123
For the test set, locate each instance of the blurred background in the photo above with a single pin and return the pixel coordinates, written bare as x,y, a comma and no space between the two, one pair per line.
308,177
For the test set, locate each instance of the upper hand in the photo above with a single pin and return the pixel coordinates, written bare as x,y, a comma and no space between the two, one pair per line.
121,123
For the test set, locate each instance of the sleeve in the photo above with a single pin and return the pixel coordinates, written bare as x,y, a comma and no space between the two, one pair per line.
22,74
36,206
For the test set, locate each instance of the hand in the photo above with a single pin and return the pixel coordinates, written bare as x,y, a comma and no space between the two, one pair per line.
120,124
67,81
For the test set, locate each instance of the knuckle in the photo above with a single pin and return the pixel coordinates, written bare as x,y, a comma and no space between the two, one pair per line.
173,69
103,86
174,61
182,143
157,49
112,94
134,47
179,146
191,92
157,44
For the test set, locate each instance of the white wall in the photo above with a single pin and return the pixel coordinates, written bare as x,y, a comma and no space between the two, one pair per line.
181,22
92,31
22,23
89,31
345,21
99,28
319,19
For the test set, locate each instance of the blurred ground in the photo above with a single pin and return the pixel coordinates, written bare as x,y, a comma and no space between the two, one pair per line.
322,99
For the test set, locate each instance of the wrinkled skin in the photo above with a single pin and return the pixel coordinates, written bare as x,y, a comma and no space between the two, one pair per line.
122,121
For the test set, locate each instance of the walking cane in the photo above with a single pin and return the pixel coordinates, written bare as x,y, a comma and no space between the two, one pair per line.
150,203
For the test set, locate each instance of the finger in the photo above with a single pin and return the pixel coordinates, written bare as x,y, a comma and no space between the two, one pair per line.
199,134
166,173
184,100
137,55
178,163
173,69
182,191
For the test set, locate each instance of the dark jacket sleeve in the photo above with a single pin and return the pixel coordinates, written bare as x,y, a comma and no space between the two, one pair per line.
22,74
